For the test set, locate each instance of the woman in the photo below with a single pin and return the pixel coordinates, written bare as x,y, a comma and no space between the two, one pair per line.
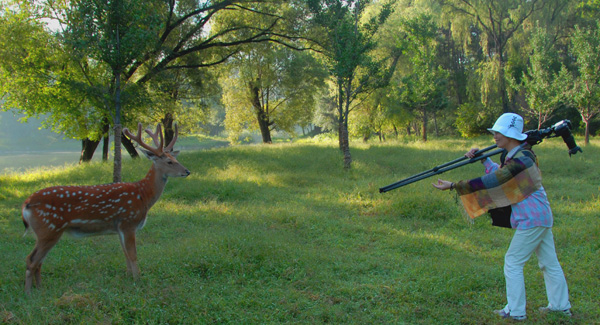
513,194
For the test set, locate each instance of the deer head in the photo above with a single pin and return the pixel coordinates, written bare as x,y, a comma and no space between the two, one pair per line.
163,158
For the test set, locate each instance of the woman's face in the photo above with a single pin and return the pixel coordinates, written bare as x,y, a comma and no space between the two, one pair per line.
501,140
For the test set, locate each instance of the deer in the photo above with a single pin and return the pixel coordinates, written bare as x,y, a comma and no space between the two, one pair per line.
116,208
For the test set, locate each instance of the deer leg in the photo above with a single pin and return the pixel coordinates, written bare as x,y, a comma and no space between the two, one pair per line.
128,244
34,262
29,272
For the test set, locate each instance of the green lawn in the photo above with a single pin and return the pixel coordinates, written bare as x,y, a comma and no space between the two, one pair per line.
282,234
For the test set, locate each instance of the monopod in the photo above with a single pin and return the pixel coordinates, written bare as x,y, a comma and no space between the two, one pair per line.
562,129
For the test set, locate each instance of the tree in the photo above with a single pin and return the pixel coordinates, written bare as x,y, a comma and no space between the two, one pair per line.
423,88
542,83
584,92
499,21
181,92
349,42
116,34
272,85
128,43
44,80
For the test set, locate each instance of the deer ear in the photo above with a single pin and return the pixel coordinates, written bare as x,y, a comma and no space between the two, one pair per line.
149,154
174,153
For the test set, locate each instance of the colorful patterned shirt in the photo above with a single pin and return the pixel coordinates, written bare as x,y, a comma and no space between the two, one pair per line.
532,211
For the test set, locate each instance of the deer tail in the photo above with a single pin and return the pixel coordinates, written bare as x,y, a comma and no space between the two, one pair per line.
26,214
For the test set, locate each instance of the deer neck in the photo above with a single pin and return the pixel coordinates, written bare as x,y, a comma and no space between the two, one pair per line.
152,186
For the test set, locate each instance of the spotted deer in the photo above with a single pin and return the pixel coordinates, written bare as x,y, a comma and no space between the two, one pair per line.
119,208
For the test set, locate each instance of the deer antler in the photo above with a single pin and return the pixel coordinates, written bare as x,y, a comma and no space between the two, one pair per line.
157,132
138,138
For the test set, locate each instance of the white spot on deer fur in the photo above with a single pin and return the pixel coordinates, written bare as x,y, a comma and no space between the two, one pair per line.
129,202
48,206
51,226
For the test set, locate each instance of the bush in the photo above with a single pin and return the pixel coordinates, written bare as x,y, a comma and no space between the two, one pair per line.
474,119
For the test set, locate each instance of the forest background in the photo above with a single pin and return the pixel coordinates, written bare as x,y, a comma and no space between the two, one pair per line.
349,69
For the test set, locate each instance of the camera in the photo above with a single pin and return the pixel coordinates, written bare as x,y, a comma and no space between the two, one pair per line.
560,129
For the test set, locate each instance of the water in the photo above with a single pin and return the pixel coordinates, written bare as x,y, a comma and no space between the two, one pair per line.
21,162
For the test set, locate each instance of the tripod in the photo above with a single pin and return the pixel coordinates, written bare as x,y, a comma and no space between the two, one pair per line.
562,129
459,162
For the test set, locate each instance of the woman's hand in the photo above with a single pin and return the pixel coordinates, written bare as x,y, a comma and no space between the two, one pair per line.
443,185
471,153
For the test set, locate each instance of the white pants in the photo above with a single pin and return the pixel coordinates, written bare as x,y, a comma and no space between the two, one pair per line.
541,241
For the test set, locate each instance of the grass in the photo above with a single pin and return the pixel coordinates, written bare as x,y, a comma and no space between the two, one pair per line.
282,234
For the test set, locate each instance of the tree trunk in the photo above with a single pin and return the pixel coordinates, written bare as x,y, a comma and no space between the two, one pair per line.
106,142
345,136
586,140
435,124
261,116
88,147
117,162
118,129
129,147
117,118
502,81
346,147
424,124
105,148
340,115
167,123
424,132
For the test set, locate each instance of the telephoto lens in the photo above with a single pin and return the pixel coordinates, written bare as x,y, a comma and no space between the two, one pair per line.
563,128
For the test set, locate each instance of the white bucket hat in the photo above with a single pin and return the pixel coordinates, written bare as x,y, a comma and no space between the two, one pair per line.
510,125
